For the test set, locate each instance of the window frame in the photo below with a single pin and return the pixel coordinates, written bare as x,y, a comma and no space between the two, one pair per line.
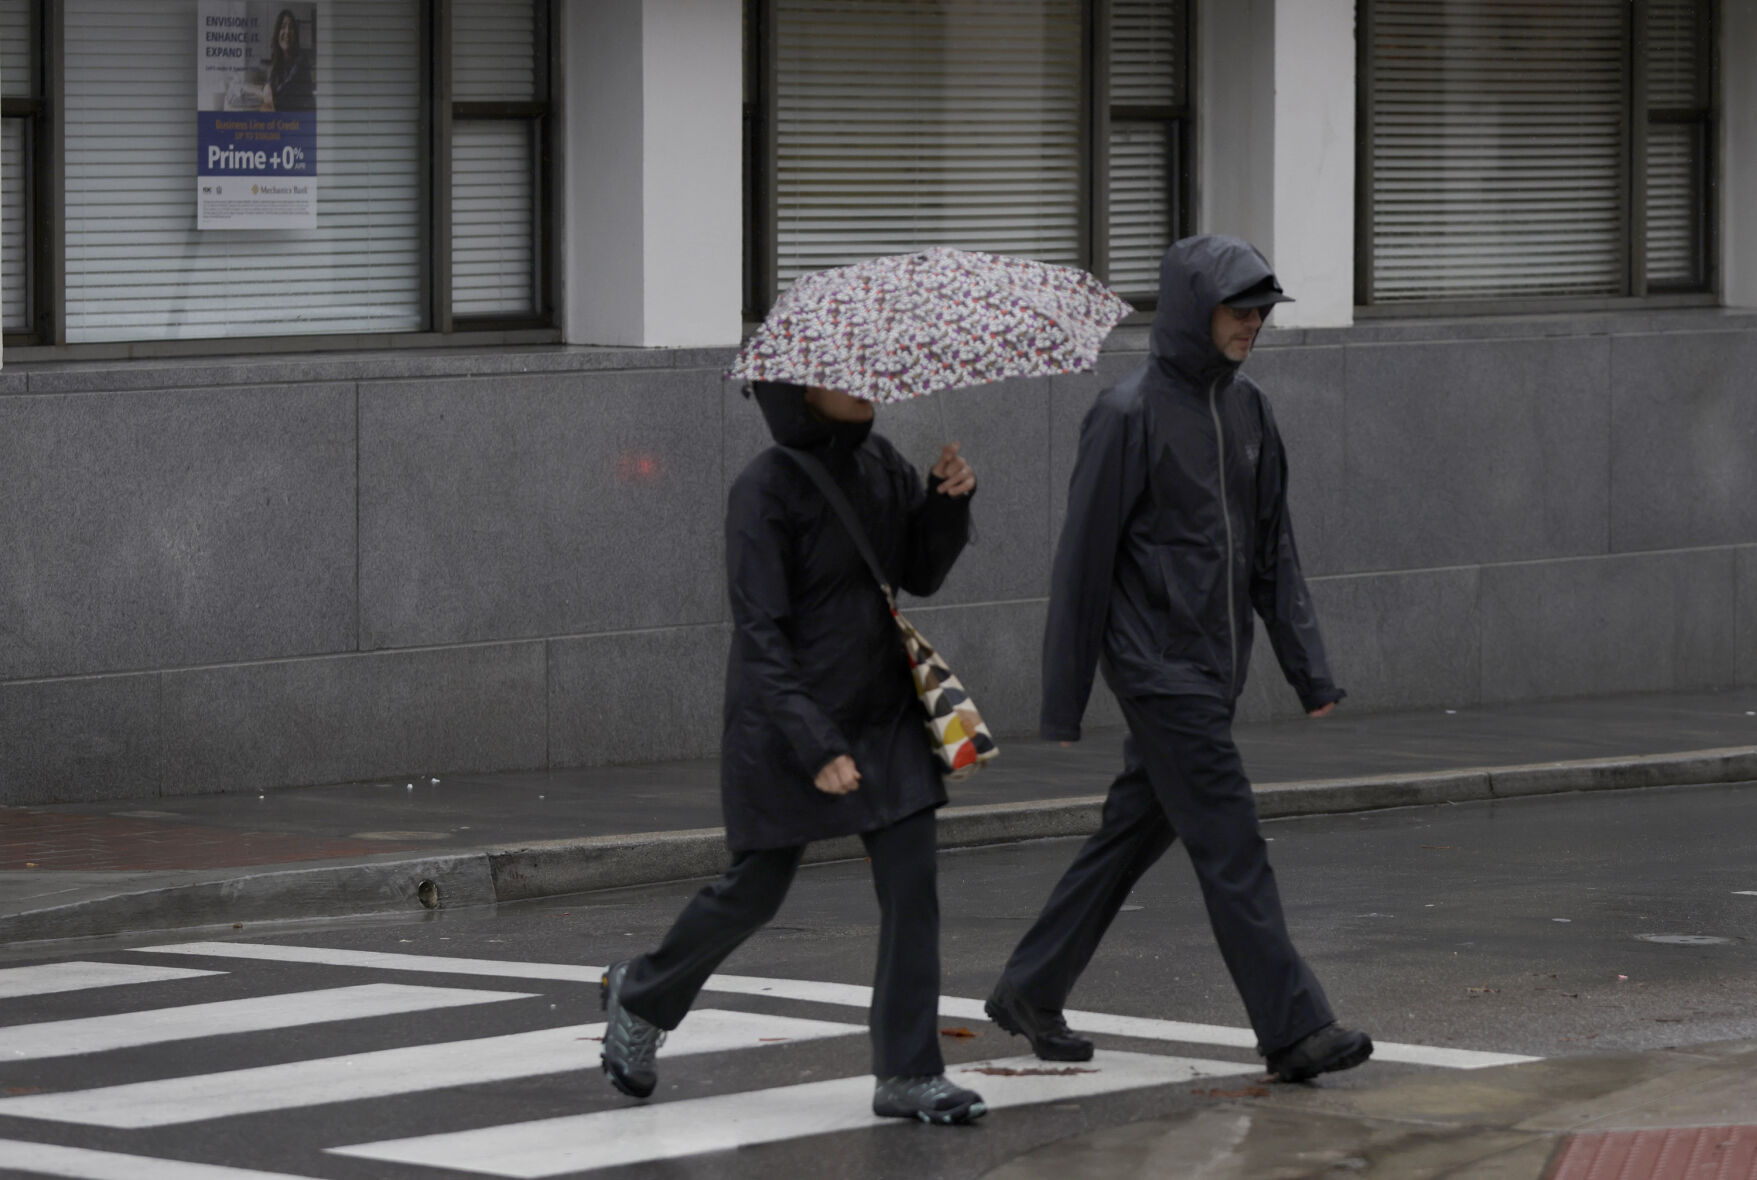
1637,118
46,216
444,114
761,150
38,113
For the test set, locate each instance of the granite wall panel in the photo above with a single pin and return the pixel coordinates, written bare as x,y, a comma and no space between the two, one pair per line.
1470,453
346,718
1684,433
512,507
166,529
92,738
1403,641
1653,622
637,696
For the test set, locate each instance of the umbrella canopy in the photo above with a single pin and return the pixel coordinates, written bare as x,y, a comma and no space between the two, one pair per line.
897,327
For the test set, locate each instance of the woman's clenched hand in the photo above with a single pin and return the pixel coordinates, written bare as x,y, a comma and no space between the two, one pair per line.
957,478
838,777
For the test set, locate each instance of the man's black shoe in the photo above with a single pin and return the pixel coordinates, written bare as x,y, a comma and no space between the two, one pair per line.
1047,1031
1329,1049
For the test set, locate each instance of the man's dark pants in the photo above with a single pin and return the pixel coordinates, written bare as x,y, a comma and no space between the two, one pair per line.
660,987
1182,777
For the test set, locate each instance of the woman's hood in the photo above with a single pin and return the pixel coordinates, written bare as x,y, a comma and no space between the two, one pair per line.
794,424
1196,276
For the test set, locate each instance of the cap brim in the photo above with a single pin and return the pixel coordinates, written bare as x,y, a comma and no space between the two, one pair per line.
1258,299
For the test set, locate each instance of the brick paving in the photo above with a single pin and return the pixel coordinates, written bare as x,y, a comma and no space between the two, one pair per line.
1687,1153
50,841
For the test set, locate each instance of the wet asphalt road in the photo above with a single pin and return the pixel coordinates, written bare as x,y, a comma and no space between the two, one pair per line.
1571,925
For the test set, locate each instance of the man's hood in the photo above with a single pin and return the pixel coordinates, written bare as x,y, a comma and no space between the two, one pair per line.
793,424
1196,276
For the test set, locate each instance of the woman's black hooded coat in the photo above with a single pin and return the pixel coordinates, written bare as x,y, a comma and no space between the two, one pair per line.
817,668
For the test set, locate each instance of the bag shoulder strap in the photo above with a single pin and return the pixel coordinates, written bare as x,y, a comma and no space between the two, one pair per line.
820,475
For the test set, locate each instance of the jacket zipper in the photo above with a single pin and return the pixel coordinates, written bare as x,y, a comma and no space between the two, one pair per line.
1225,515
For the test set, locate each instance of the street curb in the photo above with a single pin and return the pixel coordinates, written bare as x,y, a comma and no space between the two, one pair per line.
266,895
524,871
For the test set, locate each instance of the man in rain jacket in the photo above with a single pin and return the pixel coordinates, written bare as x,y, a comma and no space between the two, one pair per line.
1177,528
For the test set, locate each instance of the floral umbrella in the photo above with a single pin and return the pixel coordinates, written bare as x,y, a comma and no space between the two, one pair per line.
897,327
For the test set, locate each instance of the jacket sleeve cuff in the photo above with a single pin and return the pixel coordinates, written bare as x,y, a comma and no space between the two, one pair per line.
1059,731
933,487
1320,695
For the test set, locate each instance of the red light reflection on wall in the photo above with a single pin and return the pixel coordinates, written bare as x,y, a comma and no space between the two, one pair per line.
638,467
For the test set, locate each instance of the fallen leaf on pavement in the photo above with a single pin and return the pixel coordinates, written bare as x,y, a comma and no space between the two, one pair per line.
22,1090
956,1032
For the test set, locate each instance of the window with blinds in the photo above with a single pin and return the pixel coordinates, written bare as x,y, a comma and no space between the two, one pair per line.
136,266
902,125
1050,129
17,49
19,86
1676,49
1510,151
14,217
1149,112
498,90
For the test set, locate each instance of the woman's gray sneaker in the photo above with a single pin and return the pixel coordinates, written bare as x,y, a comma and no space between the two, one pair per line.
931,1099
630,1043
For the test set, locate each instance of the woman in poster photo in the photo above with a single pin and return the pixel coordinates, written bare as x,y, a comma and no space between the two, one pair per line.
290,85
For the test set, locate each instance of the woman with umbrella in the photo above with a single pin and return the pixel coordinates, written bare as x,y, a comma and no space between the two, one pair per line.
823,737
823,733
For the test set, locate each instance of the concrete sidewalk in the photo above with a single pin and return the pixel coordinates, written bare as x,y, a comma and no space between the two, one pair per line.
439,839
1666,1114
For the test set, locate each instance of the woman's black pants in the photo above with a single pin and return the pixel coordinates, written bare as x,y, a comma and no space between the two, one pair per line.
661,986
1182,776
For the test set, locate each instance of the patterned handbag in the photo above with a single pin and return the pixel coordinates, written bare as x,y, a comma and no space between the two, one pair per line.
955,728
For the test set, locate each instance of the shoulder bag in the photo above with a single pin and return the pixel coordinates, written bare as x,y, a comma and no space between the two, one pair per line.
955,728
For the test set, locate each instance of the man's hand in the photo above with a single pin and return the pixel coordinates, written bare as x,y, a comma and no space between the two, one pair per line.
1323,712
839,777
956,476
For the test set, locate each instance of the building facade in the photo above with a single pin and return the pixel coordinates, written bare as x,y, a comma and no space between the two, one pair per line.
429,474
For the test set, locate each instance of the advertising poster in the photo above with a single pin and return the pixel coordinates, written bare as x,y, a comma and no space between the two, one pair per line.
256,114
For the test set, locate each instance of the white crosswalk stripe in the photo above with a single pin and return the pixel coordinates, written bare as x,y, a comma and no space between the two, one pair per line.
80,1163
672,1130
50,978
126,1030
396,1071
813,991
625,1133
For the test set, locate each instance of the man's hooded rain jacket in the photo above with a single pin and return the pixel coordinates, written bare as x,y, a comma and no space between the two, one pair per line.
1177,521
817,667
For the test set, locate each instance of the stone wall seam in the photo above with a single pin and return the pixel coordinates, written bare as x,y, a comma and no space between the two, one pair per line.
359,635
622,632
549,704
303,658
159,729
1395,571
1610,451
